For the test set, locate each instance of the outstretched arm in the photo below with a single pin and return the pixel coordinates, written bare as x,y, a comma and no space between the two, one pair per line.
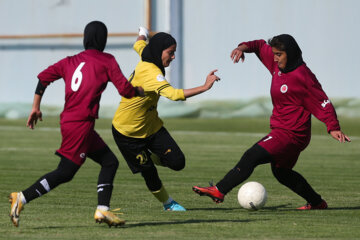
210,79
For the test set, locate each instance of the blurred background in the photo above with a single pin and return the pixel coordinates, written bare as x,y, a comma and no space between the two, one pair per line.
37,33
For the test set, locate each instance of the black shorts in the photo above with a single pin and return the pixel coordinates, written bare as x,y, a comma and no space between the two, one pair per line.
137,151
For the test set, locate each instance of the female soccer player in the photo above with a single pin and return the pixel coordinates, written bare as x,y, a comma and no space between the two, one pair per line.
86,76
296,94
137,129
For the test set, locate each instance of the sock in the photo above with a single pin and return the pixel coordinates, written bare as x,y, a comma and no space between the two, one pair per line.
161,195
170,199
22,198
36,190
103,208
104,194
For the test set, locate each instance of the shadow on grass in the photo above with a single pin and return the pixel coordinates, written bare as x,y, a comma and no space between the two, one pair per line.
211,209
285,207
144,224
130,225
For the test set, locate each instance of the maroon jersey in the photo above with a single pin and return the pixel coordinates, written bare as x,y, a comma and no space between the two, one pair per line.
86,76
295,95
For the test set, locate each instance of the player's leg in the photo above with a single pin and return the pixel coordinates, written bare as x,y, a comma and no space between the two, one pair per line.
62,174
163,146
253,157
298,184
109,165
156,187
137,156
167,150
102,155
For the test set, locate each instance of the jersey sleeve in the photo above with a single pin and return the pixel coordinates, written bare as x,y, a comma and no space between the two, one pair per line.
139,46
263,51
116,76
318,103
52,73
162,87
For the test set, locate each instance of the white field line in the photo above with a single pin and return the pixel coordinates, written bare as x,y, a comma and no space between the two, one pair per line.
25,149
191,133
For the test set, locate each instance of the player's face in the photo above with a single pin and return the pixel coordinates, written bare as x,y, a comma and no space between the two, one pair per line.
280,57
168,55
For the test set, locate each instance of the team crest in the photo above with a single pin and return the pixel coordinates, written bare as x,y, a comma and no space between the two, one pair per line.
160,78
284,88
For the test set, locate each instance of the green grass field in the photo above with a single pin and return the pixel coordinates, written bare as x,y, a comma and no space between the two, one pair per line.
211,147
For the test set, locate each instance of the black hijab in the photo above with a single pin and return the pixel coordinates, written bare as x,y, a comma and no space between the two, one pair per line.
293,52
153,51
95,36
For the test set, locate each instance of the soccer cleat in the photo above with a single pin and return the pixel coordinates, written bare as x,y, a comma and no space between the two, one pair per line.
174,206
108,217
211,191
308,206
16,207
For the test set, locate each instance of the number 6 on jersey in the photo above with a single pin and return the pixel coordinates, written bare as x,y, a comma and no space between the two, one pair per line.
77,77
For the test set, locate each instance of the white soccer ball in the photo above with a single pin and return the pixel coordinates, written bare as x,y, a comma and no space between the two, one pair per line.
252,196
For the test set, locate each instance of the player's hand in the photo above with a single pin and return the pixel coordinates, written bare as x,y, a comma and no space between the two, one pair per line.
237,54
210,79
143,32
33,118
139,92
340,136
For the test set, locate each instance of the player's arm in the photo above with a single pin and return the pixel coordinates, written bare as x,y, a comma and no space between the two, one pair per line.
123,86
140,43
209,82
320,106
46,77
262,50
35,113
162,87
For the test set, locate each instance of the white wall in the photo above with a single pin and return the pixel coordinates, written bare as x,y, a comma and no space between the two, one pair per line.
326,30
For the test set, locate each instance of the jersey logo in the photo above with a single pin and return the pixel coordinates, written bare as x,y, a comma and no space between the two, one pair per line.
284,88
160,78
325,102
279,73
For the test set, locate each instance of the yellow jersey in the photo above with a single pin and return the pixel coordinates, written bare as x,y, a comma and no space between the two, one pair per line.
138,117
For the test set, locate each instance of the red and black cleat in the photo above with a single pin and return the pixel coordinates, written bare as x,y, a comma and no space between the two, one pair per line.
212,192
308,206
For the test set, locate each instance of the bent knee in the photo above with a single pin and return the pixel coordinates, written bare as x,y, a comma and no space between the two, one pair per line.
177,164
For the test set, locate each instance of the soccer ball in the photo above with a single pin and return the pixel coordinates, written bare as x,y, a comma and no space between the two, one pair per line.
252,196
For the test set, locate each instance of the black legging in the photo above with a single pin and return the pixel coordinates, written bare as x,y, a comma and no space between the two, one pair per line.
253,157
152,179
67,169
297,183
257,155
